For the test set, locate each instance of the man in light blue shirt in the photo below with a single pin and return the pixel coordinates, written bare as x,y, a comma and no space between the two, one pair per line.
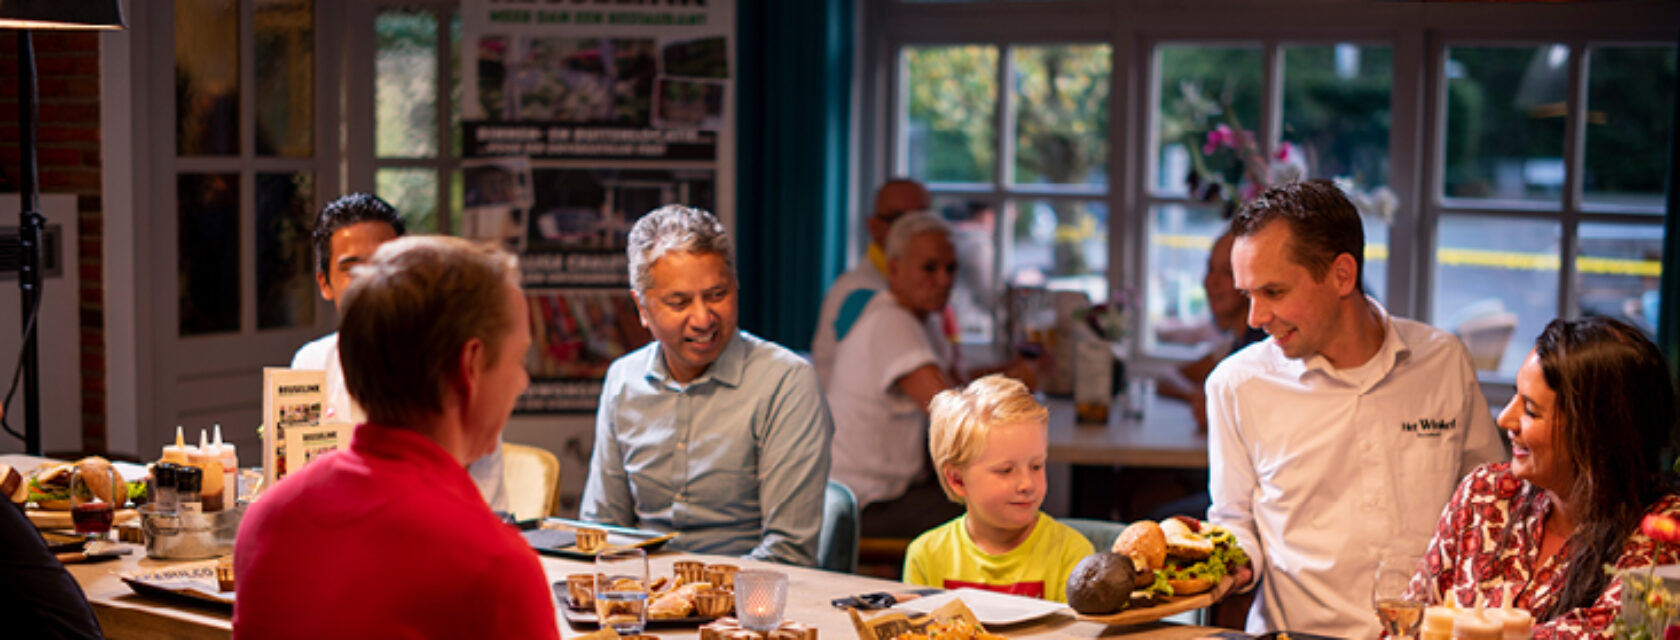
709,431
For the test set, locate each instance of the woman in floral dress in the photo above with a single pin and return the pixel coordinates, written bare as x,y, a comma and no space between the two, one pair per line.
1594,408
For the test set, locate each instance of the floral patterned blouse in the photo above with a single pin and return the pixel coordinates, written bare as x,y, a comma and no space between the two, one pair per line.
1488,541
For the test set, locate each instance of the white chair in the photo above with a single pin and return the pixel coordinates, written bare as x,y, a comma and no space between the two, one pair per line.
1486,336
532,475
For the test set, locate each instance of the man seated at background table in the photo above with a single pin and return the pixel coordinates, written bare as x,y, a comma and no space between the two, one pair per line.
849,293
1342,435
390,538
346,233
1229,331
709,430
888,365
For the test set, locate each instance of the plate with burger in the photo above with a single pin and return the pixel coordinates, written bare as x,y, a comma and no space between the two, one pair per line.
47,491
1154,570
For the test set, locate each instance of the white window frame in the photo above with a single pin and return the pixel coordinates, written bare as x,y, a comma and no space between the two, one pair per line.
1418,34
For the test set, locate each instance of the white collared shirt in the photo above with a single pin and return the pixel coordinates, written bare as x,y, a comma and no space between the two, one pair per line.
838,302
1317,471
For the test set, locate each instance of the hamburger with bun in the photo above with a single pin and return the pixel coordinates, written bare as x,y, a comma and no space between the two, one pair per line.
48,488
1181,556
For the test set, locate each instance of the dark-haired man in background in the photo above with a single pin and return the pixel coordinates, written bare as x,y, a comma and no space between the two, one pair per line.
346,233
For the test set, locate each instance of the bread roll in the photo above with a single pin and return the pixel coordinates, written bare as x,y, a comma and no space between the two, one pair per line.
11,484
96,474
1190,586
1145,543
1181,542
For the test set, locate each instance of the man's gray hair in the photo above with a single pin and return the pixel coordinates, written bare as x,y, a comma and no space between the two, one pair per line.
911,225
674,227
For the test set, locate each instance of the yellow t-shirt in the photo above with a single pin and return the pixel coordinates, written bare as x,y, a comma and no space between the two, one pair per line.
947,557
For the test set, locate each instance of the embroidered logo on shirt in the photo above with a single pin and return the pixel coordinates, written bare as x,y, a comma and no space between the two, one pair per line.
1032,589
1429,427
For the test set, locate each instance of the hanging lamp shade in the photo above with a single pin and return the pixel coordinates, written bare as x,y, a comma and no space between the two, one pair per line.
61,14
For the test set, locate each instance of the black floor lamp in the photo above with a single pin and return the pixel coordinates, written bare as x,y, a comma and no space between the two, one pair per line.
25,16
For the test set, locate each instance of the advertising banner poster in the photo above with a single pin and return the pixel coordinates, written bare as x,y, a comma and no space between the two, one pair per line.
580,117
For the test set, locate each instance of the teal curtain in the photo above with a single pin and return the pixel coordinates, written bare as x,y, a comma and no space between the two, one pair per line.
1668,318
793,103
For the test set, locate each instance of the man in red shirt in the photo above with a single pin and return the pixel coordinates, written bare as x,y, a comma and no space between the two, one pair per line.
391,538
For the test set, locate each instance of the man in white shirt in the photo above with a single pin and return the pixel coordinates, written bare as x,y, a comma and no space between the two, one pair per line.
347,231
1340,437
851,292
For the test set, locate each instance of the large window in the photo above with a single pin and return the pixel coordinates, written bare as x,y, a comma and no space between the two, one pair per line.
1503,181
1531,225
417,143
1029,205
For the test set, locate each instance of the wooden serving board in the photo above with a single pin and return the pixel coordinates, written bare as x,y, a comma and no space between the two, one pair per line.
1170,606
61,519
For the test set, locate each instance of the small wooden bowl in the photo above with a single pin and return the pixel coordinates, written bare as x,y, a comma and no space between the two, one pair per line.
591,540
714,602
722,576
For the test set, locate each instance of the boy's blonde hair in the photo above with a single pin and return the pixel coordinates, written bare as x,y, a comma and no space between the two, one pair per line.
960,419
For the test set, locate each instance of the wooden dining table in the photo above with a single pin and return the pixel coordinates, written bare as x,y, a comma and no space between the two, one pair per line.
1162,434
126,614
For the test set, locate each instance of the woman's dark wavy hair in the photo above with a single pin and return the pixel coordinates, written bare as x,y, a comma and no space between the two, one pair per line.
1613,420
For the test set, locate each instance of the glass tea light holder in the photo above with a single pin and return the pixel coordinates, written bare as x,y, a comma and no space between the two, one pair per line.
760,597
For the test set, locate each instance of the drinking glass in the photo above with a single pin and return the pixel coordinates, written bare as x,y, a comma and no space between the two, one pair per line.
94,499
621,578
760,597
1398,613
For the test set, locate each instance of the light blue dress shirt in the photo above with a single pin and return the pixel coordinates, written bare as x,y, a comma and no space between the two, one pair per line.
736,460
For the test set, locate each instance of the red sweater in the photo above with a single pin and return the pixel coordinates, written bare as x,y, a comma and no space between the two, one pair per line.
389,539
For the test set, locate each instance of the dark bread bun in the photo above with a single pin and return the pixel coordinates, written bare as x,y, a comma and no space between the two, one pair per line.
1101,583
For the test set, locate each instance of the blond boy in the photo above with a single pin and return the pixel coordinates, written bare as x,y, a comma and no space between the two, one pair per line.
989,441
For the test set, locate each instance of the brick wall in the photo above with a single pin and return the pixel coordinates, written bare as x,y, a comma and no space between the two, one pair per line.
67,75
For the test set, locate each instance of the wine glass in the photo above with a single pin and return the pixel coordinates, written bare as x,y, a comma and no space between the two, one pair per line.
621,578
95,494
1399,613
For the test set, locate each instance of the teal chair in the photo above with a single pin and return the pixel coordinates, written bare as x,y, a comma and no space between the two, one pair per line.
837,543
1101,533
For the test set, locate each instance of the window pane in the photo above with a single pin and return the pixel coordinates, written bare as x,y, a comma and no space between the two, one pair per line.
1179,240
950,98
207,252
206,77
1630,101
1059,244
1496,284
414,194
283,35
975,295
1061,117
1620,271
1201,88
1335,125
455,91
1376,257
1336,110
405,92
285,273
1505,120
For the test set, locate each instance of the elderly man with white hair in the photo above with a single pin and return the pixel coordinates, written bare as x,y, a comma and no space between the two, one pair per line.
888,364
708,431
